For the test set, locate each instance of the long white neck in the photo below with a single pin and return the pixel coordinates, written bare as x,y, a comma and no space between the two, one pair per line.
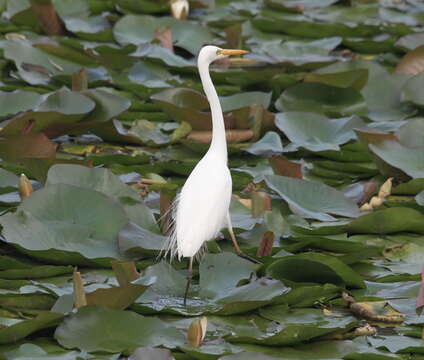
219,142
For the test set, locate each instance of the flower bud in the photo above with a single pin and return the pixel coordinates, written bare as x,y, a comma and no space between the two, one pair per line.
25,187
376,201
179,9
365,207
197,331
385,189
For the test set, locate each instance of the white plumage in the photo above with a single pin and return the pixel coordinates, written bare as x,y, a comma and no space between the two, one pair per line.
201,209
203,204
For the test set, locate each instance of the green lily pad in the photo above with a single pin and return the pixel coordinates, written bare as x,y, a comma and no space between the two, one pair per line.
420,198
297,53
411,41
149,133
139,29
62,106
16,101
382,92
8,181
221,272
311,199
13,330
315,267
387,221
297,326
316,132
270,144
95,328
66,224
22,53
321,98
31,351
137,242
336,23
409,160
102,180
355,79
412,91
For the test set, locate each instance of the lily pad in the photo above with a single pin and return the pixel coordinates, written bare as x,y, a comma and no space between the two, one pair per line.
16,329
409,160
311,199
270,144
139,29
95,328
316,132
321,98
102,180
214,281
66,224
315,267
386,221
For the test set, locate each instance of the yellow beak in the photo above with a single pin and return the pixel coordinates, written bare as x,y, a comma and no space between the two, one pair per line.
231,52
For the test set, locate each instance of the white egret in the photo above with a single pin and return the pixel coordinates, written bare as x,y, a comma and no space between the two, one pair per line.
201,209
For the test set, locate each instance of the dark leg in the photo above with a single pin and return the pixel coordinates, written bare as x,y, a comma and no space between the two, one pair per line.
189,277
236,245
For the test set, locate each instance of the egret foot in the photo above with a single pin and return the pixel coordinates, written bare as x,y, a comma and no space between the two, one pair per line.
189,278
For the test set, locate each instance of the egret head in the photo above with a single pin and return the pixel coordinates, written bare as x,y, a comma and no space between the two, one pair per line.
209,53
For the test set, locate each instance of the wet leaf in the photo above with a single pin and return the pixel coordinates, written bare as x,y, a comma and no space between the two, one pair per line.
19,329
221,272
270,144
138,29
150,353
355,79
311,199
103,181
386,221
316,132
409,160
321,98
315,267
95,328
87,219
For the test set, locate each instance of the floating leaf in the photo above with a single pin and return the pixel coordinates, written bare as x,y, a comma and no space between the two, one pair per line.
409,160
270,144
311,199
19,329
315,267
386,221
139,29
87,219
104,181
221,272
95,328
316,132
321,98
